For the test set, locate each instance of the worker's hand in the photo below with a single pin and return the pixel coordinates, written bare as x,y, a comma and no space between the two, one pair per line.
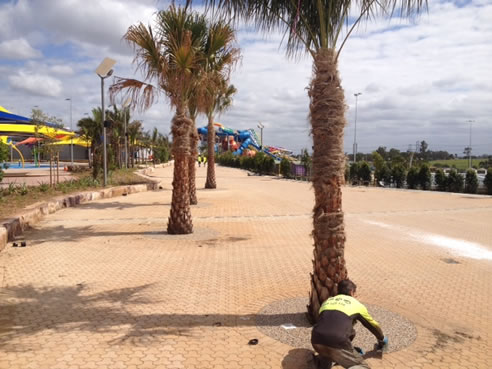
383,343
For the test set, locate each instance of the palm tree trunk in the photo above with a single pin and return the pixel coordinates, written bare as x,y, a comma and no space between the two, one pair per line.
180,216
211,181
192,163
327,109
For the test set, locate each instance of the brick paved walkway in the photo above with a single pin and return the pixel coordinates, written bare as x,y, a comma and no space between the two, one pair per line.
101,285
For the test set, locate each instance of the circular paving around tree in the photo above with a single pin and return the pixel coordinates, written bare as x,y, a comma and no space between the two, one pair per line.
278,319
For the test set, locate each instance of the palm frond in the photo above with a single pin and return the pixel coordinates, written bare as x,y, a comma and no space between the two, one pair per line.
141,94
312,24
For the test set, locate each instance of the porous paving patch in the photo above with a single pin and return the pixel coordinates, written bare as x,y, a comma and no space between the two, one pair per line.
286,321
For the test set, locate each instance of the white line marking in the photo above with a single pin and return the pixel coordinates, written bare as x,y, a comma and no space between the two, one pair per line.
458,246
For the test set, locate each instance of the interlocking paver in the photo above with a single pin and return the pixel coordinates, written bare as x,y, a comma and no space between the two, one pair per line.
103,286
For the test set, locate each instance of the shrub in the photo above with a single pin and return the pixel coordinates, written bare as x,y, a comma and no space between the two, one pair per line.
471,181
424,177
441,180
455,181
285,168
398,173
488,181
412,178
44,187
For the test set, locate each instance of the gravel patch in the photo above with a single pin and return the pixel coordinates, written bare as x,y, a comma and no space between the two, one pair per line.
400,331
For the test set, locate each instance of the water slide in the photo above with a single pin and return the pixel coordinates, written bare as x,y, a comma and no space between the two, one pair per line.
247,138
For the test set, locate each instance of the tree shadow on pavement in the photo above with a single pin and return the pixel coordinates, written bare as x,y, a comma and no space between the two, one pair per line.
299,359
76,234
126,312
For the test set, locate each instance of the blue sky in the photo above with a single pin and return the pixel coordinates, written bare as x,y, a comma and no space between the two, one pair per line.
420,80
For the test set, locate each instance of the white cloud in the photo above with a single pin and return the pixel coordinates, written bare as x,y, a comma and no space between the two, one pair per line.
37,84
64,70
18,49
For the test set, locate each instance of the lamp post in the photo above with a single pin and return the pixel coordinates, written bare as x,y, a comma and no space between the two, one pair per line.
71,129
470,144
261,126
355,126
126,103
104,70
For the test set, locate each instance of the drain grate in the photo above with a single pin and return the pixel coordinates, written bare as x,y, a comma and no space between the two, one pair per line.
450,261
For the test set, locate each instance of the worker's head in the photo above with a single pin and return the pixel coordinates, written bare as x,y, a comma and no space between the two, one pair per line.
346,287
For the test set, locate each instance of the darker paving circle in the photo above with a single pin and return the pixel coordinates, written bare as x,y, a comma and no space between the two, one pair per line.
285,321
199,234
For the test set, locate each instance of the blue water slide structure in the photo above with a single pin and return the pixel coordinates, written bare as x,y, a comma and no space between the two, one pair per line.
246,138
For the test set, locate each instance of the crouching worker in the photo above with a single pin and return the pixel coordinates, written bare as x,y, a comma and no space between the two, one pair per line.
332,335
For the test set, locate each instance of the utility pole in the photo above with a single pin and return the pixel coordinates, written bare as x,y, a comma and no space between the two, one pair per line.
355,126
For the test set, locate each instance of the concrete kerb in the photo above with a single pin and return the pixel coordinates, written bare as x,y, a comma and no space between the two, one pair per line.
13,227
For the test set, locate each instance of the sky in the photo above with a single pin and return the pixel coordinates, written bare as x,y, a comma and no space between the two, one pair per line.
428,78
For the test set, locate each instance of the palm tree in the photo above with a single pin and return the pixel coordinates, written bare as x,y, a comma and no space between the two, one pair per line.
135,133
169,57
220,55
316,27
91,129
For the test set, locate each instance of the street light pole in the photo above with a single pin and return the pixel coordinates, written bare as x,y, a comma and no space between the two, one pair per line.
71,128
104,70
261,126
355,126
470,144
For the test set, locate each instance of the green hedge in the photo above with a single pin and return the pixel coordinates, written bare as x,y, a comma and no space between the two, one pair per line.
260,163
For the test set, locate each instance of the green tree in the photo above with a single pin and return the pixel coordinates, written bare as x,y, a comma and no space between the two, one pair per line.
285,168
412,178
455,181
441,180
306,161
91,130
354,172
398,174
364,172
318,28
488,181
380,167
471,181
424,177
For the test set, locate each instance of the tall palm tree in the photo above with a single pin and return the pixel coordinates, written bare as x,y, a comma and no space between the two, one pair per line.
169,57
220,55
317,27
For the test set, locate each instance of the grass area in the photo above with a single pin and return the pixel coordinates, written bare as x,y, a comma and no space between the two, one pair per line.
16,197
457,163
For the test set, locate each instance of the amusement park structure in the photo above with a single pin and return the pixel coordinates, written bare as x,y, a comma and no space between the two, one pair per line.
242,142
